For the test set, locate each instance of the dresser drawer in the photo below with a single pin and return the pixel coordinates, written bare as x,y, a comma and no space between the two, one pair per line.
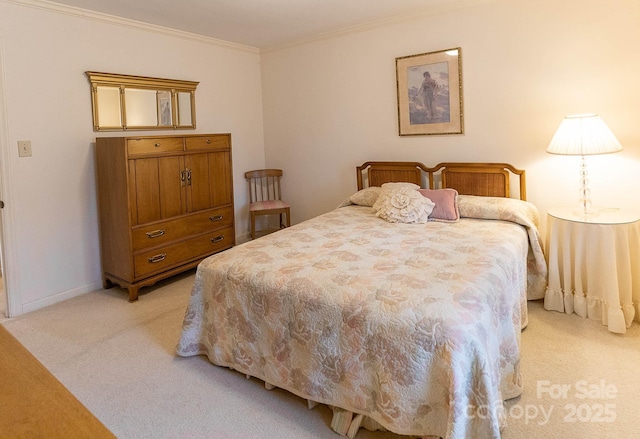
159,233
156,145
207,143
163,258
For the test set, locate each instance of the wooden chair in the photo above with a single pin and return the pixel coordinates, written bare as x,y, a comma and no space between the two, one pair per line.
265,197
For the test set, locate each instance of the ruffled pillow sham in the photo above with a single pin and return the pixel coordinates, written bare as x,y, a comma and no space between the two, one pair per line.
403,204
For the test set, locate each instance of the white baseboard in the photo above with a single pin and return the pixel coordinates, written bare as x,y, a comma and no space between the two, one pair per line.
59,297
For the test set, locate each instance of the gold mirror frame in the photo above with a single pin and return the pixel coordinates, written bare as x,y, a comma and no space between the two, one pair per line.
127,102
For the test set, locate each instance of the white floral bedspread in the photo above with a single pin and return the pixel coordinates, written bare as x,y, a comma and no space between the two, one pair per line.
519,212
414,326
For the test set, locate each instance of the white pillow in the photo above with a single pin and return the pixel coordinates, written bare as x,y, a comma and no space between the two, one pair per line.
403,204
366,197
397,185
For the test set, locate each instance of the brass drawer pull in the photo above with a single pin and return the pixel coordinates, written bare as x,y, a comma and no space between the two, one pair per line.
155,233
217,239
157,258
216,218
208,141
156,144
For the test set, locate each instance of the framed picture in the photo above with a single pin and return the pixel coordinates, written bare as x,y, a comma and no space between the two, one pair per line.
430,93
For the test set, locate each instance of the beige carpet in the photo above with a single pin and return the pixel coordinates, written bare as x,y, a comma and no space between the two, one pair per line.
118,359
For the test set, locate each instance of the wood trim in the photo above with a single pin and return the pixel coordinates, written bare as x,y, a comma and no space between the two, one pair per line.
116,79
34,403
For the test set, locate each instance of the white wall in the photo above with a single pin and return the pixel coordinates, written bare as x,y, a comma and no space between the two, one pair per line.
50,198
326,106
330,105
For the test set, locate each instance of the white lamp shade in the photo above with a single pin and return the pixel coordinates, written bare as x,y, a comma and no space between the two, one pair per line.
583,134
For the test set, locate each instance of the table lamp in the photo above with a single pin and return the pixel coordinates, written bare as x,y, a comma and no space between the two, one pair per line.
583,134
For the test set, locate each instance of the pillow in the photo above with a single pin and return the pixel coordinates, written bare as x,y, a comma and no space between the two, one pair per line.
365,197
403,205
446,200
398,185
500,208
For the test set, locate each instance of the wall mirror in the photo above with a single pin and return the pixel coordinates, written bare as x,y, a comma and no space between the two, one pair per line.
126,102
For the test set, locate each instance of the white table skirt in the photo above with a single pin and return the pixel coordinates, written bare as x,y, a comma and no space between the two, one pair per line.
594,270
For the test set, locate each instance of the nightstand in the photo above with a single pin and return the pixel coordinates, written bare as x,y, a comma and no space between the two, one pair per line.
594,265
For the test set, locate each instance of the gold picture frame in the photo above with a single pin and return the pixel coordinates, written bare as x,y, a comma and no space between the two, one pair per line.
430,93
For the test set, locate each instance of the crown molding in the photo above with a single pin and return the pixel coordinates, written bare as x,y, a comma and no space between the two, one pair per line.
363,27
388,21
112,19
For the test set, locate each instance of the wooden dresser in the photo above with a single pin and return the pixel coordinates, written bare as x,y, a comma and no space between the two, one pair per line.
165,203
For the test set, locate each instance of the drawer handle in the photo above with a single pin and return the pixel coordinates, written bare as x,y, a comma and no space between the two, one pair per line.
217,239
216,218
156,144
155,233
208,141
157,258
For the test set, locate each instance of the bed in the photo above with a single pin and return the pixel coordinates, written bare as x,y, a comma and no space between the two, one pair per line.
409,327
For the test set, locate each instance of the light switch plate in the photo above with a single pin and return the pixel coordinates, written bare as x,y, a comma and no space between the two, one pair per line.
24,148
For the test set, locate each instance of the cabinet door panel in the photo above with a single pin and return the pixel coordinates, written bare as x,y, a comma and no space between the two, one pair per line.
222,180
157,190
199,190
210,180
145,196
172,187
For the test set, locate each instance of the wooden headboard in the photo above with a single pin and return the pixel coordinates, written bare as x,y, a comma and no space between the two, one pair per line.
483,179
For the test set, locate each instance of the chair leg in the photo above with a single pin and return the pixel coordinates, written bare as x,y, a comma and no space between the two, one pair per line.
253,226
284,225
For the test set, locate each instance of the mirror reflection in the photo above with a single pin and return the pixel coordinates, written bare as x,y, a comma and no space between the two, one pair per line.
109,109
125,102
184,108
140,107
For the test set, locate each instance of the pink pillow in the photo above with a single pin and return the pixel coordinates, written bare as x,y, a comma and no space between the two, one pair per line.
446,201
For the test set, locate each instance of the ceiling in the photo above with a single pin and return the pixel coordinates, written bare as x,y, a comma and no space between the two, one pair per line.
264,23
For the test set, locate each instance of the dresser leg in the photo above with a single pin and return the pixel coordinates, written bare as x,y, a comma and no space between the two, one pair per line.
133,293
106,283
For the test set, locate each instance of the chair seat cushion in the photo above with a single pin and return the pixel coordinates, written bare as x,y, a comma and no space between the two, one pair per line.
267,205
